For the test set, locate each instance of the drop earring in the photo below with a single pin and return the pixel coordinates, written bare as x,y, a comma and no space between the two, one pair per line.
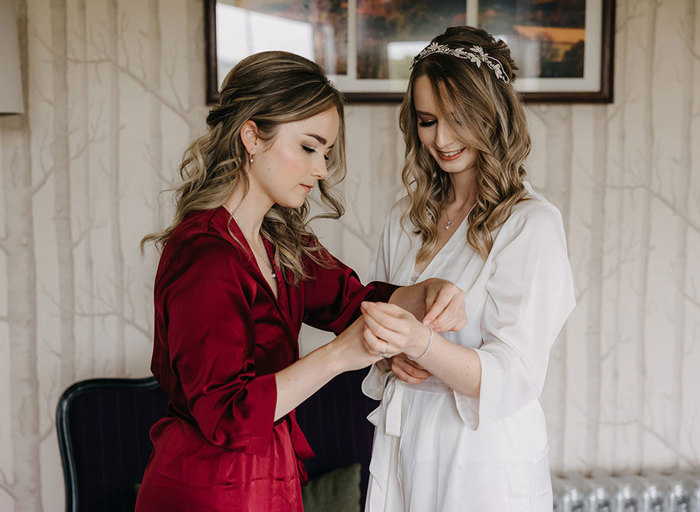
251,158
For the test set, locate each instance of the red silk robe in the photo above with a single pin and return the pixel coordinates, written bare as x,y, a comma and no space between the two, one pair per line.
220,336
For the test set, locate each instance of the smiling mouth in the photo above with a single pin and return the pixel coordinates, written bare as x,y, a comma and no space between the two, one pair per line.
450,155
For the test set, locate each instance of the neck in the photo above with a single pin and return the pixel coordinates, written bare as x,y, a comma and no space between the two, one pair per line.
463,188
248,209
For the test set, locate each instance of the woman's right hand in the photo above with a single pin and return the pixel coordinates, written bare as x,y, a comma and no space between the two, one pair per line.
353,351
407,370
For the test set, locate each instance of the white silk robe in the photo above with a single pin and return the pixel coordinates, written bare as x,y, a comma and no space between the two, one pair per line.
438,450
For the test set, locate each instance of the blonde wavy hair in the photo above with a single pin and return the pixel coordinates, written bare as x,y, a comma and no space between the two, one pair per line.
269,88
491,110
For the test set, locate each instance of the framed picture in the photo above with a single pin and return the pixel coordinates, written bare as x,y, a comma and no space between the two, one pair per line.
563,48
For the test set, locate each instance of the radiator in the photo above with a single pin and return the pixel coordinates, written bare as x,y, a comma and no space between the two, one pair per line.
649,492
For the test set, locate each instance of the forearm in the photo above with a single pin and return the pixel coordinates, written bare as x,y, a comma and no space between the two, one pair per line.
302,379
457,366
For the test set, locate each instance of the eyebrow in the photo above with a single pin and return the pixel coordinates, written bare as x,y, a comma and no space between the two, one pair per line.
421,113
318,138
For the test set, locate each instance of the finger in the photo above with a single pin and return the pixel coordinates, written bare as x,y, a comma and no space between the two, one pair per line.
376,345
379,330
403,364
443,322
441,302
402,375
372,343
431,293
454,318
412,363
379,308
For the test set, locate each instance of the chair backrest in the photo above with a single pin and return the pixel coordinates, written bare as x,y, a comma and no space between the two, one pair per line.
103,427
103,434
335,423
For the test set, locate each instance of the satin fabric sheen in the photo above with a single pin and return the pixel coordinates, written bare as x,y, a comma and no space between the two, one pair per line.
220,336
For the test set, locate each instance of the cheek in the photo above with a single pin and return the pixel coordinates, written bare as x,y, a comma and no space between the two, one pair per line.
424,136
292,163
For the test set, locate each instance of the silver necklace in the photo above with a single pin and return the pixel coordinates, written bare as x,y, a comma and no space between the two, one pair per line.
449,221
265,259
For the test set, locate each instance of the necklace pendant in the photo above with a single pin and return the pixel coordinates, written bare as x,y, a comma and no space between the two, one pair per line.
449,223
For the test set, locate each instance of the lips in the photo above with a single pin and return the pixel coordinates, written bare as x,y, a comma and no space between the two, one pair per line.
307,188
448,156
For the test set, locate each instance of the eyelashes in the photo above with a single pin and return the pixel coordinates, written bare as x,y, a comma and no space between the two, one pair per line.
311,150
425,124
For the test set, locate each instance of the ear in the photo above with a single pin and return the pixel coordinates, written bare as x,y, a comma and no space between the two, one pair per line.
249,136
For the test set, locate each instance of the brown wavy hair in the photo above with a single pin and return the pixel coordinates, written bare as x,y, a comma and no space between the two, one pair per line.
269,88
471,97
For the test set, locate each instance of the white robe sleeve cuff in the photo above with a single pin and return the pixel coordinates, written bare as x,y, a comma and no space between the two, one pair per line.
374,383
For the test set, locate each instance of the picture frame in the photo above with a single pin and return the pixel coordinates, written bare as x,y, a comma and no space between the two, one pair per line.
564,48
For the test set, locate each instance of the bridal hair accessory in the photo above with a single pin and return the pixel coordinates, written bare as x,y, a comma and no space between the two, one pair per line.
475,54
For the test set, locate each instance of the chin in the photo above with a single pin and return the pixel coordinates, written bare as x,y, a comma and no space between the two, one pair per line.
298,203
452,169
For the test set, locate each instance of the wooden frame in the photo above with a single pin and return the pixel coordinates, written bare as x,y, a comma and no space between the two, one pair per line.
594,60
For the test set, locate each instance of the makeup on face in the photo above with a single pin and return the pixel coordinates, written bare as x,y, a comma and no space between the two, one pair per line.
436,132
290,167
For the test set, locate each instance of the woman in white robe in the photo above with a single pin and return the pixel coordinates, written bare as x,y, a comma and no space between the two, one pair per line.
462,429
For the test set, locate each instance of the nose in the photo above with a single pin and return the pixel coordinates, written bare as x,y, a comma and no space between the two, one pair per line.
320,169
443,135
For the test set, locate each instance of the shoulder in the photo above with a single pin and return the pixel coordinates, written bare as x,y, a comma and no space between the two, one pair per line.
394,217
398,209
535,212
195,223
199,240
535,219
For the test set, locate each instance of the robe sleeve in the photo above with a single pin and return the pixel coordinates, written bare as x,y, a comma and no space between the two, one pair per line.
379,270
530,294
211,340
374,383
332,296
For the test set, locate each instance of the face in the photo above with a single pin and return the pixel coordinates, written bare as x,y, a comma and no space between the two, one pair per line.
436,134
289,166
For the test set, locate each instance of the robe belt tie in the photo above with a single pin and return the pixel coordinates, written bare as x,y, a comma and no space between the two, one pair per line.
392,401
388,417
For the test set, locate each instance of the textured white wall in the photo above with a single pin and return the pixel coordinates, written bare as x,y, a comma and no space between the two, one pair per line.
115,92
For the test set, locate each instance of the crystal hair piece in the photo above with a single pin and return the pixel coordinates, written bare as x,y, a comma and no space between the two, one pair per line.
475,54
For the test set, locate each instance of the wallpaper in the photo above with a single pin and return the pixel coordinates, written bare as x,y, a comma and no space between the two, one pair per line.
114,93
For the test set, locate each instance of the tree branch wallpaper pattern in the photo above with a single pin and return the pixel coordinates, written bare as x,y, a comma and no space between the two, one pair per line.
115,90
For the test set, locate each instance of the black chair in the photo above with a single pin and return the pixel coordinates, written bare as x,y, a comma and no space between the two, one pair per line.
335,423
102,427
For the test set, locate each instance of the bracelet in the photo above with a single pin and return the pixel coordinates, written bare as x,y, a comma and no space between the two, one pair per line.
430,342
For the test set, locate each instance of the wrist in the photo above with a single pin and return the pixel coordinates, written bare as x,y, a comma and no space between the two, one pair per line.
423,349
332,358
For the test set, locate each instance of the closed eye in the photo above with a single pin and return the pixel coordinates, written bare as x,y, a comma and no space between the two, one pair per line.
425,124
311,150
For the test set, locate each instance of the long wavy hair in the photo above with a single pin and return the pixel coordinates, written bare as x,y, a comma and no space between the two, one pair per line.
491,110
269,88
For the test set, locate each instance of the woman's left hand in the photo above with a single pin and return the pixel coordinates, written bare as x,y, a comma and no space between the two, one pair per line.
397,328
444,305
408,370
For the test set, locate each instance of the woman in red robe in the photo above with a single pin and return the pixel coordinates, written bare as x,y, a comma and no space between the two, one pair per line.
239,273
